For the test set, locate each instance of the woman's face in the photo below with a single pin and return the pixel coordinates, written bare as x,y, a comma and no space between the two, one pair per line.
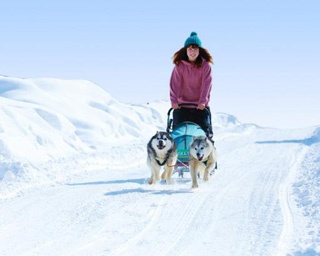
192,52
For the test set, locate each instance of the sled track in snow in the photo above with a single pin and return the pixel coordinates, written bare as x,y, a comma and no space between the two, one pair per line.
211,200
167,237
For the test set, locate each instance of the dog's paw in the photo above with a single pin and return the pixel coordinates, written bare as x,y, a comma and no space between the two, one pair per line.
168,181
195,186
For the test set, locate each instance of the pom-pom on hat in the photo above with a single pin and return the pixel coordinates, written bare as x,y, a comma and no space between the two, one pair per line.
193,39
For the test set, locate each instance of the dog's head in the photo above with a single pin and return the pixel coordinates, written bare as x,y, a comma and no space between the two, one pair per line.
200,148
162,140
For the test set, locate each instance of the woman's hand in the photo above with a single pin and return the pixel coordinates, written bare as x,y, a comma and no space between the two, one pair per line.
175,106
201,107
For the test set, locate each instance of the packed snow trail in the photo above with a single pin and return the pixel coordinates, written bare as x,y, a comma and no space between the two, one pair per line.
240,211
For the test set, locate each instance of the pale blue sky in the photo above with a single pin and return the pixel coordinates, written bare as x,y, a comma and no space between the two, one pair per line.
266,53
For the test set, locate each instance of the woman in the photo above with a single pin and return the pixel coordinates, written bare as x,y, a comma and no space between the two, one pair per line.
190,84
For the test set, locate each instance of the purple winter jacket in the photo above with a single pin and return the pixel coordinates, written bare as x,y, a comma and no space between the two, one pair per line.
189,84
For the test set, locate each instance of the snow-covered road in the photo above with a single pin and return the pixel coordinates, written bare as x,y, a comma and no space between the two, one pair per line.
247,207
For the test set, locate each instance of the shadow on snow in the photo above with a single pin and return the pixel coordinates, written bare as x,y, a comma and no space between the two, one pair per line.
159,189
149,191
138,181
308,142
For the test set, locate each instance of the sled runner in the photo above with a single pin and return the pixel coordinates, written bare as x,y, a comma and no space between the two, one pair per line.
183,135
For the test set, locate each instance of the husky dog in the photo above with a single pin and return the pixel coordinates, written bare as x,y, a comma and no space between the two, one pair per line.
161,152
202,158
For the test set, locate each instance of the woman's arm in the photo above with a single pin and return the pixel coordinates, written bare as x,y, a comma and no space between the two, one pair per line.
206,85
175,86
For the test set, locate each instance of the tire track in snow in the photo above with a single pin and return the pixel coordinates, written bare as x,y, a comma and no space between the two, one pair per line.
284,199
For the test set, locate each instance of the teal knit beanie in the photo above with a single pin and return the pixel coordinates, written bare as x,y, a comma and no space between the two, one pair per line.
193,39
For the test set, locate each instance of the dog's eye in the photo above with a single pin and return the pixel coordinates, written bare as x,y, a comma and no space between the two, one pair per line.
202,148
165,138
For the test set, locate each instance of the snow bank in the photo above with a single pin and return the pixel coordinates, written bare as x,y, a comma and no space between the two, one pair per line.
306,192
49,121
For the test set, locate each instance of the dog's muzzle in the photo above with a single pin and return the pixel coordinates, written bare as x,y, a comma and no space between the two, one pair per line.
161,144
199,156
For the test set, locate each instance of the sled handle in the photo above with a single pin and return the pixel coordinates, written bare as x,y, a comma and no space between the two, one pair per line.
170,120
183,104
188,104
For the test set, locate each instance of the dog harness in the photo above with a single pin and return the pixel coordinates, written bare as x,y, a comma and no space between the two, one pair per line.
166,158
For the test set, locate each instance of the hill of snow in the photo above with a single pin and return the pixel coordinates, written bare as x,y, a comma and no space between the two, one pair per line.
73,180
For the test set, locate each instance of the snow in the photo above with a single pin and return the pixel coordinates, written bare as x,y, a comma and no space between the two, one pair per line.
73,180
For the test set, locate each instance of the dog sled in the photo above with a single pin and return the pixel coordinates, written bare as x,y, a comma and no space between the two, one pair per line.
183,135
